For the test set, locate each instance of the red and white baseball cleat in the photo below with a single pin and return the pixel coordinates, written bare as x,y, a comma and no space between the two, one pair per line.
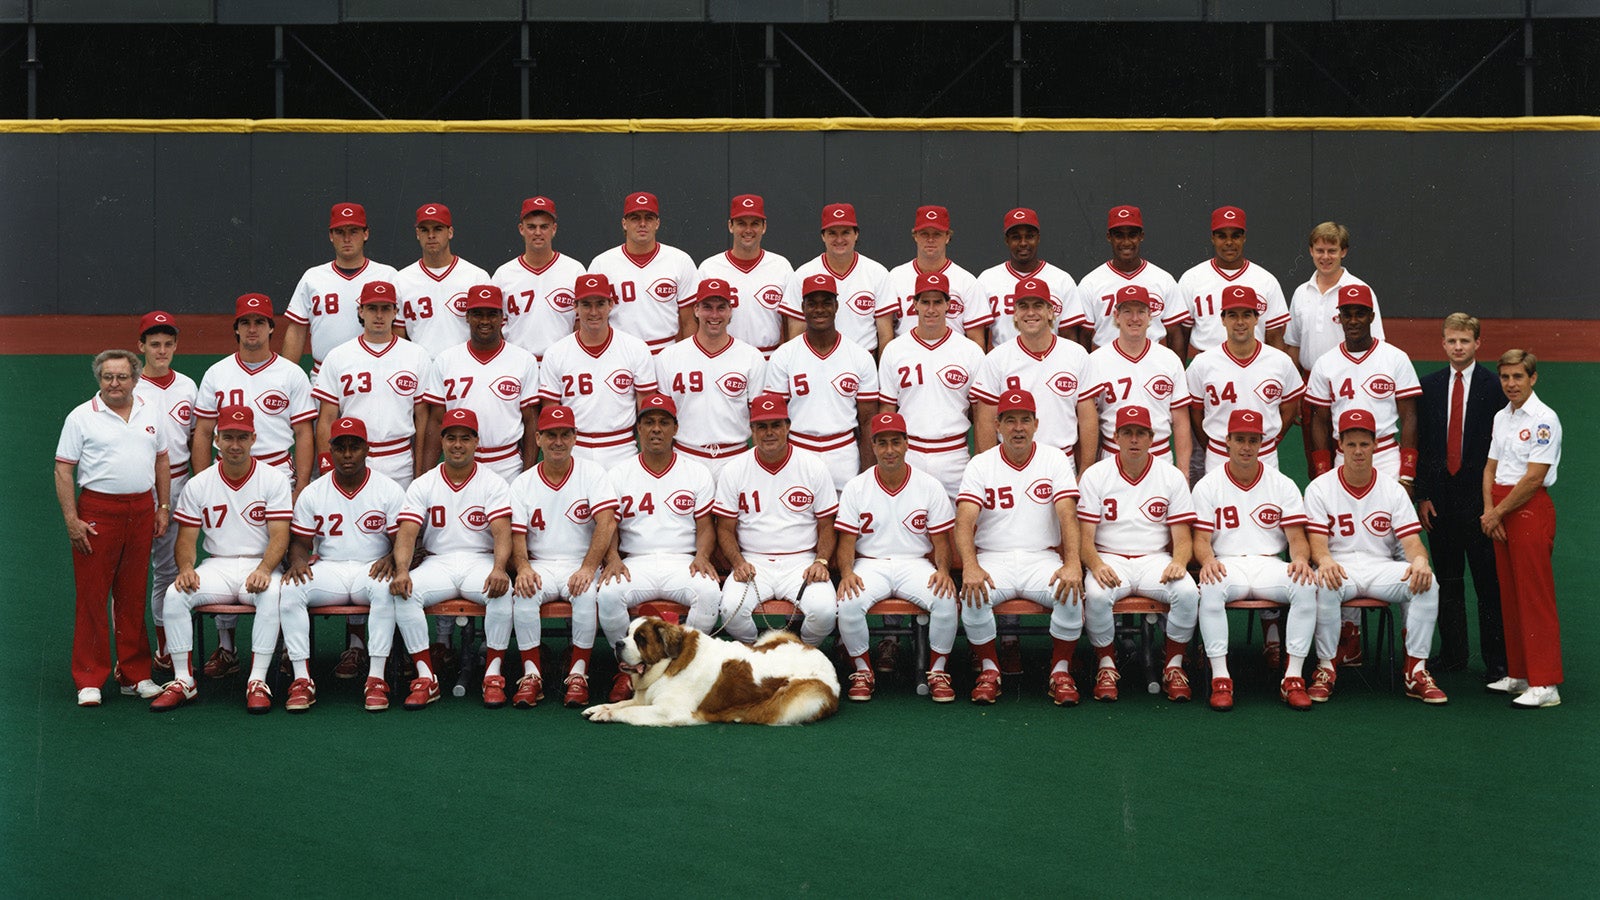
1176,683
939,687
1222,694
221,664
1105,684
302,694
987,690
577,691
257,698
423,692
174,695
1293,692
494,691
530,690
1322,681
621,688
861,684
376,695
1422,686
1063,691
1349,654
352,662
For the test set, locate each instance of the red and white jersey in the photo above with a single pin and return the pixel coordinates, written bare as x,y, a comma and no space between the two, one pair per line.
1367,524
858,297
174,397
657,511
277,391
234,515
358,526
1134,517
894,524
1221,383
930,385
538,301
455,518
1201,289
1154,379
1372,381
602,385
496,387
1017,504
1053,377
557,517
113,455
1314,319
712,390
777,508
649,291
1098,289
433,302
379,386
1000,281
1247,519
326,300
823,390
897,296
757,293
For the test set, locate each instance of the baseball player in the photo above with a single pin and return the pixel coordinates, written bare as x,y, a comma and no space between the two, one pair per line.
756,278
1365,541
856,279
1246,515
831,384
926,376
891,519
244,506
1021,226
775,506
461,513
1097,290
382,380
1135,509
1035,360
712,376
1018,537
173,395
1133,371
665,538
538,284
433,290
601,372
1242,373
498,381
564,518
652,281
340,550
320,307
1201,288
1314,310
968,308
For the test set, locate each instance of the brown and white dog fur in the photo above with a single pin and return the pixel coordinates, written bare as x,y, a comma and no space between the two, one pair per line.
682,676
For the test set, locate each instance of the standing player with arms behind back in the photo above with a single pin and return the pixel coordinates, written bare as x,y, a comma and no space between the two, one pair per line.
1022,239
602,373
1133,370
856,279
967,311
652,281
538,284
1201,288
711,377
755,277
322,306
497,380
173,394
433,290
1097,291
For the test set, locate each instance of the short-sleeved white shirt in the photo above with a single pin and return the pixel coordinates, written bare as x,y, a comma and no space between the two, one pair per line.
1017,504
930,385
113,455
497,388
1201,289
1531,434
1000,283
379,386
358,526
1097,293
1053,377
1154,380
1134,517
897,296
557,517
823,390
712,390
326,299
649,291
657,511
1314,319
174,396
1365,524
858,297
278,392
433,302
1247,519
601,384
1222,383
758,287
894,524
234,515
539,306
1372,381
455,518
777,508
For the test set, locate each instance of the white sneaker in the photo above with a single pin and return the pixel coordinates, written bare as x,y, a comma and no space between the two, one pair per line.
89,697
1538,698
1506,685
145,689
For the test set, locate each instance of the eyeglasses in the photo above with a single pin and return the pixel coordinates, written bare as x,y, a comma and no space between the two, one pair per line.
114,377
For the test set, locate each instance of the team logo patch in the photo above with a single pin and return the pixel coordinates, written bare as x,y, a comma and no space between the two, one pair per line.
1159,387
769,296
256,513
1524,434
1380,386
917,522
149,429
682,503
272,402
560,300
732,384
953,376
798,499
664,289
956,308
1379,523
404,383
1064,384
620,381
847,385
580,513
1041,491
863,303
1268,515
373,522
1542,435
1155,509
457,304
476,519
507,387
183,413
1270,390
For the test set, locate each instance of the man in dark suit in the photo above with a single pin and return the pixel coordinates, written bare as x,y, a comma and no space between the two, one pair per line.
1454,420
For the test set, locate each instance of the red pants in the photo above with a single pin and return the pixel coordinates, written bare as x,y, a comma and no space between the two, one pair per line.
120,566
1528,589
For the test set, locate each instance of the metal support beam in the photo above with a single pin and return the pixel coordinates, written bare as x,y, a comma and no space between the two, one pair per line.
960,75
824,73
1527,62
33,65
279,65
1269,66
340,78
525,64
1470,72
769,66
1017,64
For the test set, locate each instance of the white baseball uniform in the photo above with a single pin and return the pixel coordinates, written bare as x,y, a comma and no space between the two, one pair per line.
174,397
1097,295
455,532
1154,380
326,300
1201,289
657,513
277,391
1221,383
539,305
382,387
556,519
825,391
497,387
1314,319
1373,381
858,297
602,386
930,385
650,289
433,302
1053,377
713,393
999,283
897,296
757,287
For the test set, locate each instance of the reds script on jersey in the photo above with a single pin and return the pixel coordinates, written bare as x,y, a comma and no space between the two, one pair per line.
601,385
1247,519
777,508
1154,379
656,511
496,387
998,283
1314,319
1018,503
538,301
1097,292
1134,517
326,301
234,515
1053,377
823,390
379,386
1366,524
969,306
357,526
278,392
557,517
858,297
1201,289
712,390
1372,381
757,287
455,519
433,302
1222,383
929,385
649,291
894,524
174,398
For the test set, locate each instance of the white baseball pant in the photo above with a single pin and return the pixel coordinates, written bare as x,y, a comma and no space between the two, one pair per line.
1261,578
1141,575
947,467
906,579
163,558
779,578
1022,574
656,576
1383,579
222,581
502,613
333,582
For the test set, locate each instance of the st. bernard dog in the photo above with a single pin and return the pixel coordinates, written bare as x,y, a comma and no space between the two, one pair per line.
682,676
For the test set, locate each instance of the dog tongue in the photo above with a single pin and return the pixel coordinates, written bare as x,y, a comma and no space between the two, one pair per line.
670,615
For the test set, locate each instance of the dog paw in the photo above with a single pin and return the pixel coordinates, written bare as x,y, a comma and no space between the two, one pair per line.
601,713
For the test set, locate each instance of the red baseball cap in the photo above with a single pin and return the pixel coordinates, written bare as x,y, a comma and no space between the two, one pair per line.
1357,420
252,305
460,417
888,423
1355,295
347,214
1031,287
485,296
593,285
433,212
839,214
556,417
538,205
1133,415
1011,401
347,427
236,418
1246,421
640,201
933,281
768,408
1134,293
936,217
376,292
713,287
820,283
156,319
747,205
1239,296
1124,217
659,402
1227,217
1019,216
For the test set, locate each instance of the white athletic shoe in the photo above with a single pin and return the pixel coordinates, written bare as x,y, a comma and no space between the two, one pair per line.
89,697
1506,685
145,690
1538,698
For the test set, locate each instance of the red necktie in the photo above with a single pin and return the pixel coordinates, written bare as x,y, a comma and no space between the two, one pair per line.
1458,402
